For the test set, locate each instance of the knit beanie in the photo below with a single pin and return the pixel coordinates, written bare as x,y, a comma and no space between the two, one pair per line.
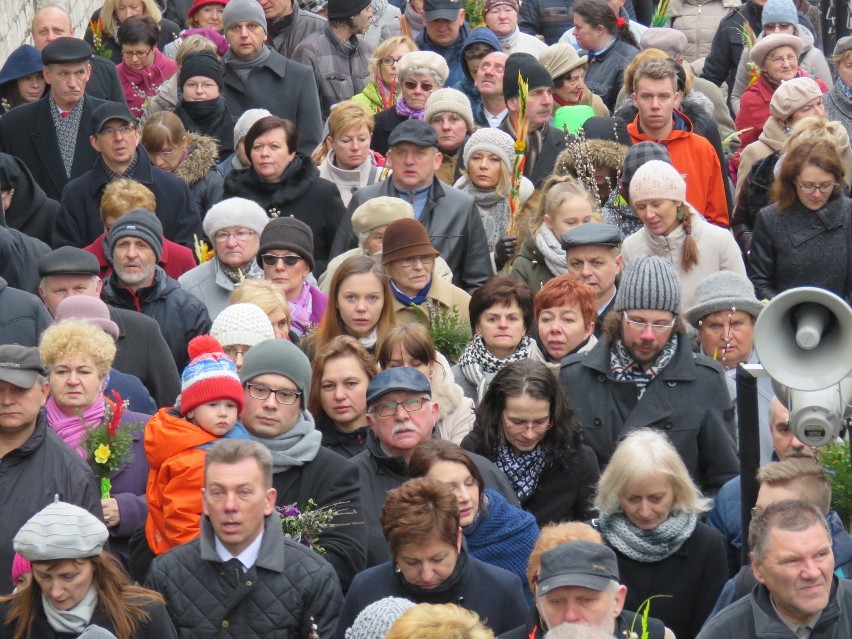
656,180
494,141
779,12
379,211
140,224
247,119
243,324
278,357
60,531
204,64
490,4
374,621
342,9
610,129
242,11
209,376
449,100
530,69
791,96
723,291
639,154
20,566
406,238
287,234
235,211
649,283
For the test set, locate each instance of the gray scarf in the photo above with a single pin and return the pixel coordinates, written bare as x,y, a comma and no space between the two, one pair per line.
243,67
493,209
648,546
296,447
551,250
75,620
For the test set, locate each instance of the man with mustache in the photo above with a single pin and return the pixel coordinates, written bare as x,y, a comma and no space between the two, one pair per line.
401,414
489,82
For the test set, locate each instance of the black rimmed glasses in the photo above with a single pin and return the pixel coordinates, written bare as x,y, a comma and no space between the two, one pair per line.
283,397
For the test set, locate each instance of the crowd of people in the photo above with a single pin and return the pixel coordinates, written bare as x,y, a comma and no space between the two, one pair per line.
377,318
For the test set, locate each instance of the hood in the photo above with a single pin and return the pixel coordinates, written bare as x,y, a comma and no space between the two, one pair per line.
481,35
167,435
29,196
204,150
602,152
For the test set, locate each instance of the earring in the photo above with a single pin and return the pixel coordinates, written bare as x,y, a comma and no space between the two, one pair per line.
679,215
396,569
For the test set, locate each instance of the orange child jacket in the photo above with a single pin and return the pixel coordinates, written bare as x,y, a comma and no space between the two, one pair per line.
694,158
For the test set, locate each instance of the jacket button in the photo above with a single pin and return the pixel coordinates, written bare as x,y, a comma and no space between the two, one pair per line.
248,583
226,624
667,425
598,421
671,384
601,377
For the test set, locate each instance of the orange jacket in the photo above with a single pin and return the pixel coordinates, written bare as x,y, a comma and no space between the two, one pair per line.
175,480
695,158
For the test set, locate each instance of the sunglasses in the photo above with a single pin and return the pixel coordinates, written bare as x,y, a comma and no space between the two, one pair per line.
272,260
411,85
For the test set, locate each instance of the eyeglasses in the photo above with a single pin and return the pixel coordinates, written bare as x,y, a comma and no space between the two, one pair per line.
737,326
755,512
388,409
241,236
272,260
233,353
425,260
130,55
411,85
536,425
206,86
810,187
656,327
164,154
283,397
567,79
791,58
124,130
389,61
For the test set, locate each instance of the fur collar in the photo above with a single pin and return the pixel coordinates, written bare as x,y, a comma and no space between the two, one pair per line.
202,157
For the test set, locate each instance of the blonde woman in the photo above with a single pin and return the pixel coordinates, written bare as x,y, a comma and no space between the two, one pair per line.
114,12
271,301
381,92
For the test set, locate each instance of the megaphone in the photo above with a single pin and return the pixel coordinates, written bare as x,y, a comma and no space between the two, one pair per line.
803,339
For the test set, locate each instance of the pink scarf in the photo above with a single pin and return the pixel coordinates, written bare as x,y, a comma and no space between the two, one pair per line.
72,429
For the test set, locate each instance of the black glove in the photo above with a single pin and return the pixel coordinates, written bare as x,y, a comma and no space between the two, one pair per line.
504,249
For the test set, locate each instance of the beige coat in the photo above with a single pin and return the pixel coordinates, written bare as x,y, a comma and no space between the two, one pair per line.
455,411
698,20
771,139
445,293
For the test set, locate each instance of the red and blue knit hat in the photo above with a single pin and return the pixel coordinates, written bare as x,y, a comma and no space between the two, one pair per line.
209,376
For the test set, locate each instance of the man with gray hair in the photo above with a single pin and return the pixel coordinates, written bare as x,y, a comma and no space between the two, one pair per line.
241,572
797,597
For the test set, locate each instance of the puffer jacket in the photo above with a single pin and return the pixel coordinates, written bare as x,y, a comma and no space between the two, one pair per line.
698,21
370,97
289,590
200,173
209,284
181,315
455,411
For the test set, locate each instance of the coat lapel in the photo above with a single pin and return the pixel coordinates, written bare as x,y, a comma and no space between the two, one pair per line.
46,145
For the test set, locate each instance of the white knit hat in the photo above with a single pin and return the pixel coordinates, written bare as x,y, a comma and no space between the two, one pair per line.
452,101
235,211
243,324
657,180
60,531
423,62
247,119
494,141
374,621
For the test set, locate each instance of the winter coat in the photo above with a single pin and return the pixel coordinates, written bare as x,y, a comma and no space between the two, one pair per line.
838,108
688,401
139,85
380,473
303,195
344,444
283,87
787,245
385,24
384,124
445,295
811,61
692,155
769,142
23,317
453,224
288,590
605,75
132,389
330,479
31,211
302,23
19,255
455,411
209,284
166,99
28,133
341,69
491,592
565,487
636,28
552,144
755,616
350,180
168,31
181,315
717,251
175,259
549,18
698,21
451,53
370,97
31,476
529,265
79,221
104,82
199,172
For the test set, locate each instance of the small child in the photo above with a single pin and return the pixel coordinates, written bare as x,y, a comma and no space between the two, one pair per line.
176,440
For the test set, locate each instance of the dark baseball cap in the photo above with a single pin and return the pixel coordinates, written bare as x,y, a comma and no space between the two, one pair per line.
397,379
577,563
441,9
110,111
20,365
591,233
414,132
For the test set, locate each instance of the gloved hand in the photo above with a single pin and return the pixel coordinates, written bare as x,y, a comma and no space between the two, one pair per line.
504,249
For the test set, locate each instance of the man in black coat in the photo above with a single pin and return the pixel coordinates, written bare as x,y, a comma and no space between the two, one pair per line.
51,135
116,138
140,348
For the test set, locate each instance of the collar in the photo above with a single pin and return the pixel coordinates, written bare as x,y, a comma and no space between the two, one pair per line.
599,52
799,631
247,557
602,308
271,548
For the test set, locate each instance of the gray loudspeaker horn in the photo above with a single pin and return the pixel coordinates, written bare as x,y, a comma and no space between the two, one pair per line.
803,338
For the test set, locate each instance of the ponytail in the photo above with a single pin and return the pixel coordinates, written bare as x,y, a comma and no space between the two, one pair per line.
622,30
690,246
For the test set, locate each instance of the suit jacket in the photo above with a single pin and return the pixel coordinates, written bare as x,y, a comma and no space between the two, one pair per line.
28,133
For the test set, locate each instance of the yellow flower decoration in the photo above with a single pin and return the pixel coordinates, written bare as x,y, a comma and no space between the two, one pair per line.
102,454
520,146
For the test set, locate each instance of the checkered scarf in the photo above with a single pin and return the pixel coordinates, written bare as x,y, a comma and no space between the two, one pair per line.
624,368
66,132
523,470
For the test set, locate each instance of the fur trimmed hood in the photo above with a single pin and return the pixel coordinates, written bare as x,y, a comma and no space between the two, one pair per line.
203,153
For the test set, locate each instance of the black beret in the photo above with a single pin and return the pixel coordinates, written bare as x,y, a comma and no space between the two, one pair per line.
414,132
592,233
68,260
66,50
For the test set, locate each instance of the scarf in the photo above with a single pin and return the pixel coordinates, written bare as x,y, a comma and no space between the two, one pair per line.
72,429
243,67
237,275
623,368
522,469
112,175
405,111
278,26
845,90
296,447
493,209
648,546
209,117
417,300
301,309
72,621
480,366
142,84
551,250
509,41
445,592
66,131
369,342
387,94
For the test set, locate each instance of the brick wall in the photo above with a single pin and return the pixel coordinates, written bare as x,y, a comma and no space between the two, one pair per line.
16,17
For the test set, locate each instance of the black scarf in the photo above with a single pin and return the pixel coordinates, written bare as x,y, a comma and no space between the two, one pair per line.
446,592
209,117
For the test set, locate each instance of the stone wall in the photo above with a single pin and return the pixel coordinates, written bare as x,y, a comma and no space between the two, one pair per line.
16,17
